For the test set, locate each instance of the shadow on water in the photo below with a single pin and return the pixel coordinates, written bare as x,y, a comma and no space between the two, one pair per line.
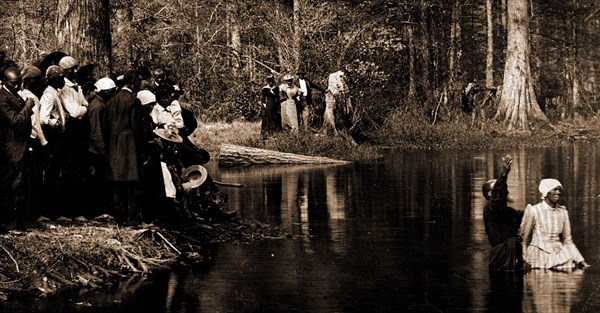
404,233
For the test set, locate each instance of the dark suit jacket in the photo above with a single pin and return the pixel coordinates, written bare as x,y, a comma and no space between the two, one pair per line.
309,87
15,126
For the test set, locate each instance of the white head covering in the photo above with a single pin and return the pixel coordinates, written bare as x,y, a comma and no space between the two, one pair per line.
105,83
548,184
146,96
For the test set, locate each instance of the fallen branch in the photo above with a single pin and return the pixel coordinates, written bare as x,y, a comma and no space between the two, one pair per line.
167,242
11,257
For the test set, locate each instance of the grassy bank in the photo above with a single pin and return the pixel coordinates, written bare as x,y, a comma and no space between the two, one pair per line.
402,131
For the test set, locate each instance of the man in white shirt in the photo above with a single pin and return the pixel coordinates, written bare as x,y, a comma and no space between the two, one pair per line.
76,134
306,98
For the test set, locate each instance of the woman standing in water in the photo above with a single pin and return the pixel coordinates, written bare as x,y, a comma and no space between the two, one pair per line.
546,232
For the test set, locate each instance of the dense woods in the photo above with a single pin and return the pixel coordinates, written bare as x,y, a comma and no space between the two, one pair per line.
412,56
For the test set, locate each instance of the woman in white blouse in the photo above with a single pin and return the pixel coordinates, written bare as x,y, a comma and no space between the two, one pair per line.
546,232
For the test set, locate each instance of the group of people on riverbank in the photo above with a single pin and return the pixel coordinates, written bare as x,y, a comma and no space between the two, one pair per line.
537,237
287,106
72,145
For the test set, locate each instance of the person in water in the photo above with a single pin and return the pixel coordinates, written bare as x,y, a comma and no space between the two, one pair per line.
502,223
546,232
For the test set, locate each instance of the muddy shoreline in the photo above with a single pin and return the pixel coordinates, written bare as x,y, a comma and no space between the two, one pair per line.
57,255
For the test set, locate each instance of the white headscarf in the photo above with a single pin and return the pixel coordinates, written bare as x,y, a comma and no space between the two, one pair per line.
548,184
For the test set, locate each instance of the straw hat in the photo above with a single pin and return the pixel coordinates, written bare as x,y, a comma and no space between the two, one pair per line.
195,174
168,135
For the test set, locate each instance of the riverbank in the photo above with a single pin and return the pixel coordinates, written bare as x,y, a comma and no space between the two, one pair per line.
54,255
400,132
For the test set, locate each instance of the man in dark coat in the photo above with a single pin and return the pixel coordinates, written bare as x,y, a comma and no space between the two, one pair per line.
502,223
306,98
122,155
15,129
98,186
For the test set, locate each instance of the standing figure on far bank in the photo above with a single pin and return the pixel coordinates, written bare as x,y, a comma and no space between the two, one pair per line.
290,95
306,86
336,96
271,118
546,232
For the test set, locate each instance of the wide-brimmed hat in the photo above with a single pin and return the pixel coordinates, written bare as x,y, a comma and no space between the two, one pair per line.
288,77
195,174
168,135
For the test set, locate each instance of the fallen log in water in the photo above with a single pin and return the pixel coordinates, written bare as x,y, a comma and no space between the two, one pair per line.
232,155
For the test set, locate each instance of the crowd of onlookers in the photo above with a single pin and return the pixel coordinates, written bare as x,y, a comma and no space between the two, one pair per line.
76,146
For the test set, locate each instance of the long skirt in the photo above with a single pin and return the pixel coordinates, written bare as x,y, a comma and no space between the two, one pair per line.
506,256
289,116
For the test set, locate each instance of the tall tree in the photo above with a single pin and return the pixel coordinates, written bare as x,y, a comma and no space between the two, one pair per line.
489,60
518,105
297,35
574,56
83,31
455,59
233,32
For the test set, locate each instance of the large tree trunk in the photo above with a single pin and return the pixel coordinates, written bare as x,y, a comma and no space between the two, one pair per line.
83,31
232,155
518,105
489,60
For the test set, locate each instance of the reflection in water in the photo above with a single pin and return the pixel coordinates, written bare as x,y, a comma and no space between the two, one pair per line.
551,291
420,216
404,233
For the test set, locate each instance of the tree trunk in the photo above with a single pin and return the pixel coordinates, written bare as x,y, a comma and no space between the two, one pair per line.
297,35
232,155
233,29
489,60
412,73
83,31
454,64
424,46
574,59
518,105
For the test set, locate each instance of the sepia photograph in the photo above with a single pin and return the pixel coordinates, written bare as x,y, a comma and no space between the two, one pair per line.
299,156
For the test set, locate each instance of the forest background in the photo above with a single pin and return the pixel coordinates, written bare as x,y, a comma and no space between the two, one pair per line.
409,62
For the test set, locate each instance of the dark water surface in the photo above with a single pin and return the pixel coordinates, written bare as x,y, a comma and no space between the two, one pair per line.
403,234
